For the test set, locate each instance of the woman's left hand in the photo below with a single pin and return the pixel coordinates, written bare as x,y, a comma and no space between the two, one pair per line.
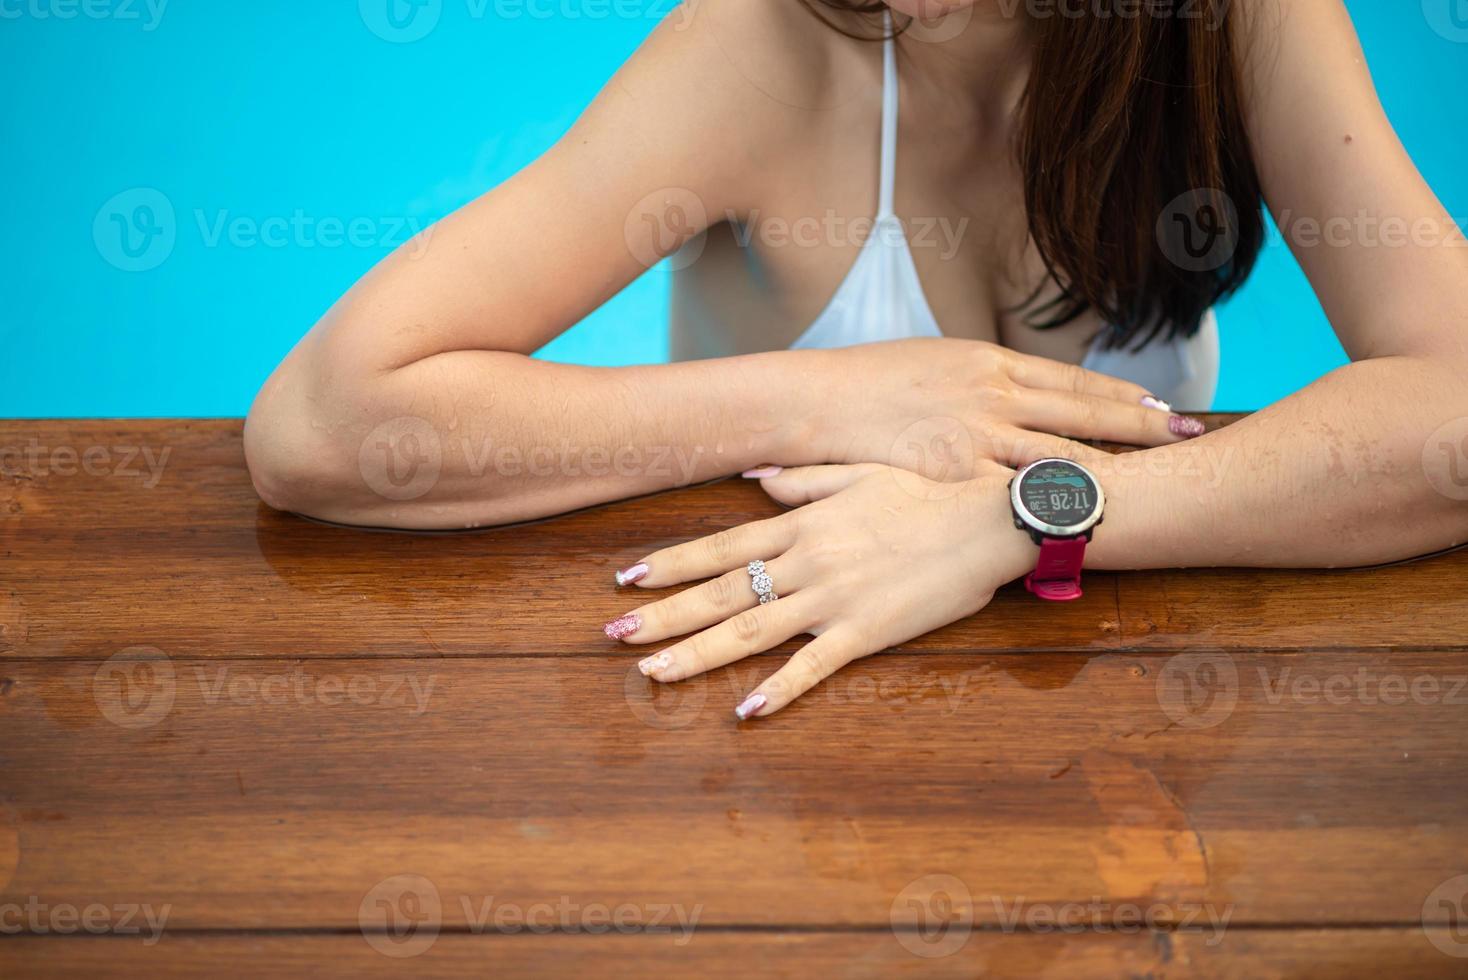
874,557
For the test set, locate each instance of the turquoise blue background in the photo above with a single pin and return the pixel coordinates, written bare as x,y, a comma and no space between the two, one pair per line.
246,111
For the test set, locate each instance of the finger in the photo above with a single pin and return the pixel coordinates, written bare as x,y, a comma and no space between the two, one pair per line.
1019,447
811,664
803,484
1089,417
701,606
751,631
1042,373
713,555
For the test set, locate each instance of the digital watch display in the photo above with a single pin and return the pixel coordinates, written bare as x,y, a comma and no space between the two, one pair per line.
1058,502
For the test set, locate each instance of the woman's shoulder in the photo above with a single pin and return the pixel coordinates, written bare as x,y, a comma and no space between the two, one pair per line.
785,57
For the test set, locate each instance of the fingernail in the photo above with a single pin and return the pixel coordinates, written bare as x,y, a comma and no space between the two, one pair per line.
1152,401
1182,425
657,661
761,472
636,573
623,626
749,706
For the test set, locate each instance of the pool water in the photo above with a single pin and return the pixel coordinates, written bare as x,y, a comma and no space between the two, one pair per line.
189,185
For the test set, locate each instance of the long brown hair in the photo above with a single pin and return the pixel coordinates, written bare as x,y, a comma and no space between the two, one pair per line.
1134,152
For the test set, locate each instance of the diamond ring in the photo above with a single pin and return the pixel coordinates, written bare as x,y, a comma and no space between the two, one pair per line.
760,581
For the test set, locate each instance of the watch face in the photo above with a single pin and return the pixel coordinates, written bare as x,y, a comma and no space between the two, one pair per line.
1058,493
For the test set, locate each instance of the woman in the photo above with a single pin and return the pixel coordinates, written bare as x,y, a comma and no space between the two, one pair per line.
1032,236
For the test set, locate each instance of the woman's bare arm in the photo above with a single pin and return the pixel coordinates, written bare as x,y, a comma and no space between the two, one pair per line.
1361,466
414,403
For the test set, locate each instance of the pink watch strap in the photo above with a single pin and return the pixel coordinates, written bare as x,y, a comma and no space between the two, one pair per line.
1057,575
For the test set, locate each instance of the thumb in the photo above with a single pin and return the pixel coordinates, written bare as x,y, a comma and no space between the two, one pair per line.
804,484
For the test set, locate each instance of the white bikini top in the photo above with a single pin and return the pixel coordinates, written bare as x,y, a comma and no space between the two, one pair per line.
882,298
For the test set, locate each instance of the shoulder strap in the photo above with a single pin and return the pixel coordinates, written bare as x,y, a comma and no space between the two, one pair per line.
889,120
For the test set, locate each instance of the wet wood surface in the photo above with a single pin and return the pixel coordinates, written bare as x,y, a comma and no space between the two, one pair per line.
232,738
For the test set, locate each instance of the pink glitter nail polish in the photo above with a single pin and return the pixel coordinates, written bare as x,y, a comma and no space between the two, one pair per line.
623,626
1182,425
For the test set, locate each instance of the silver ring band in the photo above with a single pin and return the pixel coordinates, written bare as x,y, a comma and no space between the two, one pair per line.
760,581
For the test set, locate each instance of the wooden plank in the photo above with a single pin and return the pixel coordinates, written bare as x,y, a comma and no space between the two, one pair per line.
1242,954
1419,604
140,552
161,556
268,794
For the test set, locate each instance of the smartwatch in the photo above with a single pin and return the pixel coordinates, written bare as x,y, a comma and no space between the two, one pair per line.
1059,502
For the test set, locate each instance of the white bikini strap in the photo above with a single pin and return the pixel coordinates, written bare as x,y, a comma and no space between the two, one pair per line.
889,120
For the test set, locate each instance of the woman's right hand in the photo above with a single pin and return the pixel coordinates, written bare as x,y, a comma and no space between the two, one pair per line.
937,406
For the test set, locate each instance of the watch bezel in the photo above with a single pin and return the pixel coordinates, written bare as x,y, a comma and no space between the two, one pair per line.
1054,530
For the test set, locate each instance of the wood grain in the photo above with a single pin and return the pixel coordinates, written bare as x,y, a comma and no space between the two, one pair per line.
266,793
1244,956
259,723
